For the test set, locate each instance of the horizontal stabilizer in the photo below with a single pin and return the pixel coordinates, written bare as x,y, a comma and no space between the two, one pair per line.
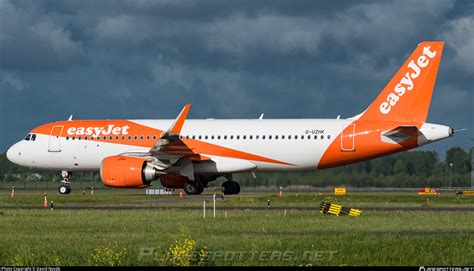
400,134
406,131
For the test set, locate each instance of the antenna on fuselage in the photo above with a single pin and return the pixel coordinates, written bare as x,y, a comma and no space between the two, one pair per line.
261,116
70,118
338,117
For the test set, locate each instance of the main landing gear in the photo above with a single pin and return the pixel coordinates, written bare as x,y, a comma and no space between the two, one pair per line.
65,187
197,186
193,187
230,187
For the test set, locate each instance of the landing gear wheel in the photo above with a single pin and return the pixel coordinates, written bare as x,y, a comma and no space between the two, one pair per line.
237,188
231,187
64,189
200,187
192,188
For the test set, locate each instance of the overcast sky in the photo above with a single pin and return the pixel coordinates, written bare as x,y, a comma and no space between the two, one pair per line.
229,59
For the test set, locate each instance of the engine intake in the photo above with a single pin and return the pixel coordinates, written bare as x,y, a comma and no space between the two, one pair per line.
126,172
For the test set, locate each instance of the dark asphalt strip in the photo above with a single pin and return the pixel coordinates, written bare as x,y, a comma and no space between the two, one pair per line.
250,208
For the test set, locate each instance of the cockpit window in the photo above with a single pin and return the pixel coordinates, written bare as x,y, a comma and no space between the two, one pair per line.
28,137
33,137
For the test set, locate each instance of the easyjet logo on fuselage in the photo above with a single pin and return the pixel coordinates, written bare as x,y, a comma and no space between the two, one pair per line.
407,82
111,129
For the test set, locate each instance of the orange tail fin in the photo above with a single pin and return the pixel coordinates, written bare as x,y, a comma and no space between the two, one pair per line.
407,96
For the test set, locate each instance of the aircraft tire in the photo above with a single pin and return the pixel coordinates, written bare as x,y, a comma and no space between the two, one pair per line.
231,188
192,188
200,187
64,189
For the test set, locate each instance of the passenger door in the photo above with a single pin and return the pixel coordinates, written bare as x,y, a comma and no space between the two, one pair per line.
348,138
54,143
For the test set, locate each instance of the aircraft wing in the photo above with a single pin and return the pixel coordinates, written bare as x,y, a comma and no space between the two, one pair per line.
169,148
170,142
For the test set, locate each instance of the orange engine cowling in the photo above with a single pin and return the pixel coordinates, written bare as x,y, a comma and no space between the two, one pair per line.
126,172
173,181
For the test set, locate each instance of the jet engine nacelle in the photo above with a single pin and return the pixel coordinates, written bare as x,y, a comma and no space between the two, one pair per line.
126,172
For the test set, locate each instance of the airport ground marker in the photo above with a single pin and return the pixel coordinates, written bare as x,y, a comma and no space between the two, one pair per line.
45,203
427,191
465,193
340,191
337,210
204,209
214,204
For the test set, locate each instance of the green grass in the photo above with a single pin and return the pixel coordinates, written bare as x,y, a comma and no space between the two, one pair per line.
357,200
290,199
376,238
36,197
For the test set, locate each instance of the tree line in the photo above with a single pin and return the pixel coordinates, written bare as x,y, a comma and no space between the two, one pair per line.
406,169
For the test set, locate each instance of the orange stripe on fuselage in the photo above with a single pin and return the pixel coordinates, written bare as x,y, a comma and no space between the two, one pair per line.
200,147
101,128
368,143
126,128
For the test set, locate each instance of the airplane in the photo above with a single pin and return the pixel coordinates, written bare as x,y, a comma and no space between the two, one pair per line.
189,154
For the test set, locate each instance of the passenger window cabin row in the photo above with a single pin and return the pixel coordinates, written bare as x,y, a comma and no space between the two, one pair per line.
205,137
256,137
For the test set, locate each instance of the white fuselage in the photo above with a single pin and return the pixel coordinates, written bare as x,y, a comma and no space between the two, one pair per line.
295,144
299,142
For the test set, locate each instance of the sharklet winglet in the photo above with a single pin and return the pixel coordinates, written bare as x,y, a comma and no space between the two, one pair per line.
177,125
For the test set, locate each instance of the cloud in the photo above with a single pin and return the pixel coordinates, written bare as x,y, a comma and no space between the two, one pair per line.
353,27
12,81
230,59
221,89
460,35
121,28
31,40
272,32
56,38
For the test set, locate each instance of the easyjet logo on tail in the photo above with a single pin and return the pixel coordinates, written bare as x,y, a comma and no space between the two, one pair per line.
407,82
97,131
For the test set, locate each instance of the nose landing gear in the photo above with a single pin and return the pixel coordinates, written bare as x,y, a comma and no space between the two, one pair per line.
65,187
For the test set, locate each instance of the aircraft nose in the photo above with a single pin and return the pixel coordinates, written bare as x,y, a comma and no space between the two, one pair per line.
11,154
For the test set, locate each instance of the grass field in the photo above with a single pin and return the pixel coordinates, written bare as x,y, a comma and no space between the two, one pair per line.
235,237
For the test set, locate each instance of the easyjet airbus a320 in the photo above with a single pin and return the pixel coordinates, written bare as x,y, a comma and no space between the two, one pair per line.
189,154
